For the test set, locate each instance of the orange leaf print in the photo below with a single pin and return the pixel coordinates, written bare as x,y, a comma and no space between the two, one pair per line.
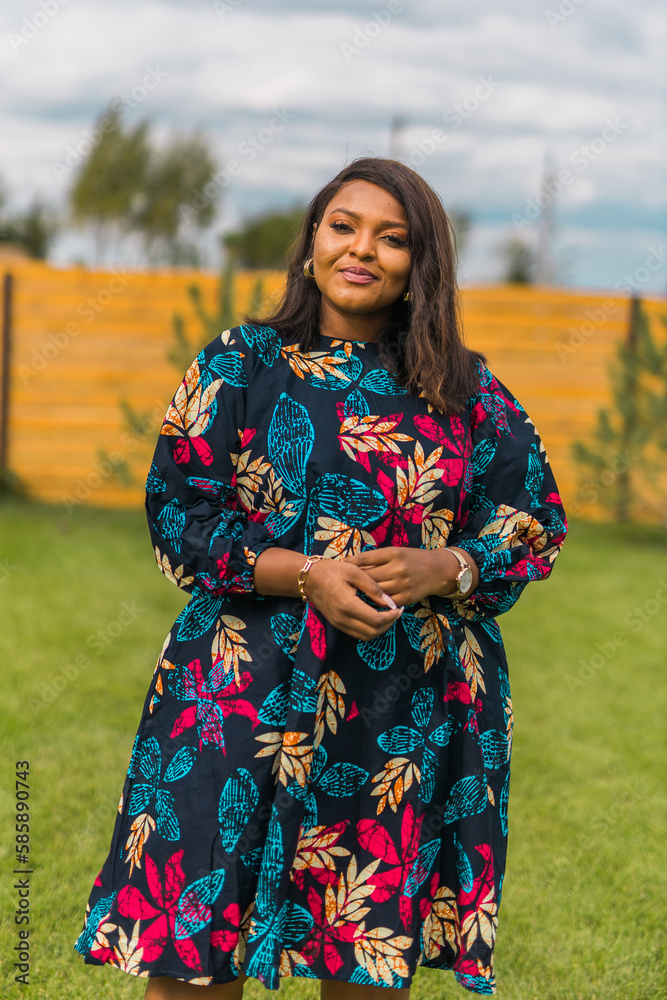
469,651
101,939
190,410
289,959
483,921
342,540
316,849
509,723
353,888
380,952
161,665
127,952
274,742
442,925
228,644
436,525
365,433
394,779
176,575
330,704
316,364
430,635
417,485
141,829
241,944
161,659
295,760
515,527
273,500
249,476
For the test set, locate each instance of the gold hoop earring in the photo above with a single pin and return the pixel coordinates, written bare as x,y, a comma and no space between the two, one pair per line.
407,297
308,269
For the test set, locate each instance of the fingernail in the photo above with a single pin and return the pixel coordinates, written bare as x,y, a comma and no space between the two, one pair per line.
390,601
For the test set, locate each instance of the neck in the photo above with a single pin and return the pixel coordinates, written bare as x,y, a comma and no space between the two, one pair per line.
350,326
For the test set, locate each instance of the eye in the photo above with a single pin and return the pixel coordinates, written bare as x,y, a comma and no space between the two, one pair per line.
396,240
341,226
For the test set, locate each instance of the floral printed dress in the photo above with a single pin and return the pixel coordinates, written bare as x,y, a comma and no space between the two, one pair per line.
298,802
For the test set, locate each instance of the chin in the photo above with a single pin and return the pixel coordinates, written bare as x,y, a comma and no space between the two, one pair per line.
358,303
359,309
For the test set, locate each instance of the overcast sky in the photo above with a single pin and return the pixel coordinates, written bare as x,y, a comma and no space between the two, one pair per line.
483,90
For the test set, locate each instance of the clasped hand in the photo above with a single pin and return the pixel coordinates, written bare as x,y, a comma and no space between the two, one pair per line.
396,575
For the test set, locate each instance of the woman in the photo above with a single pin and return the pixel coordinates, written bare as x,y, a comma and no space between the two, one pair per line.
320,779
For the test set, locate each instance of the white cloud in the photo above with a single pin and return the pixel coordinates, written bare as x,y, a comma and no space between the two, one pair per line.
552,89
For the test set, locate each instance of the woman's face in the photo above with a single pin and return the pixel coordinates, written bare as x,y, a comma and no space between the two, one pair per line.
361,257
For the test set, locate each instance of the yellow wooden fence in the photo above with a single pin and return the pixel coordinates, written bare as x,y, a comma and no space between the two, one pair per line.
84,341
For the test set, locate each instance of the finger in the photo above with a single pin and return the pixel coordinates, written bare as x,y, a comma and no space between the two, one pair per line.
367,583
361,628
361,583
371,557
377,620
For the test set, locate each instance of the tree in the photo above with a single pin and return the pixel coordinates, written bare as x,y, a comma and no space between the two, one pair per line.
520,261
628,434
34,230
110,180
173,202
126,185
264,240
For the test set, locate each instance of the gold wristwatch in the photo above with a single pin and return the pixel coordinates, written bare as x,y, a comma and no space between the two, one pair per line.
462,580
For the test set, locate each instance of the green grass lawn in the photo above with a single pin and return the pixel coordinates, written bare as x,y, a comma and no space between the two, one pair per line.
583,912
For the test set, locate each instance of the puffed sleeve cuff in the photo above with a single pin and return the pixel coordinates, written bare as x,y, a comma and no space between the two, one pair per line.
223,565
513,545
234,567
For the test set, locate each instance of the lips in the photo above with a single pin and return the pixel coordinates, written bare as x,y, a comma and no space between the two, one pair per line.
358,275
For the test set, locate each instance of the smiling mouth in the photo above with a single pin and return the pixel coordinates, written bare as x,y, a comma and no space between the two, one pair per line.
358,275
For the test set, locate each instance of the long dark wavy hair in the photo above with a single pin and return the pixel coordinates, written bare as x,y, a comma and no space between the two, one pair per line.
422,343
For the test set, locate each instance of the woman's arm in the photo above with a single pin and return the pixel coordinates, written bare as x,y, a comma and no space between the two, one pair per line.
447,568
276,572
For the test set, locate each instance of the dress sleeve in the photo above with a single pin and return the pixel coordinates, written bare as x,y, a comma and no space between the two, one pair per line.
204,540
512,519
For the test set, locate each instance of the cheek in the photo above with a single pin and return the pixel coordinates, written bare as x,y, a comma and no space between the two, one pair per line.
325,251
396,266
400,273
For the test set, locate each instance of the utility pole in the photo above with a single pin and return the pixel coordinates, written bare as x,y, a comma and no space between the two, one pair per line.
398,123
545,273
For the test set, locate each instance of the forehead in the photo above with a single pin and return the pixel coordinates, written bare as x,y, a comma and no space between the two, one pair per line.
369,199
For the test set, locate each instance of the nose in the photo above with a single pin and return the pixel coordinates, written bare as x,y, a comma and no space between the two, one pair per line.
362,243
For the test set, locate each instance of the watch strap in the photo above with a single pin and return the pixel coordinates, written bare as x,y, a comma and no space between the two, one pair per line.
463,563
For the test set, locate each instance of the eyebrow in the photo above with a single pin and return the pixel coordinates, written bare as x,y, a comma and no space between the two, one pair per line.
384,223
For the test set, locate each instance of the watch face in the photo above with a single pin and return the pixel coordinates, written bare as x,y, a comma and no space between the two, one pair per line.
465,580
